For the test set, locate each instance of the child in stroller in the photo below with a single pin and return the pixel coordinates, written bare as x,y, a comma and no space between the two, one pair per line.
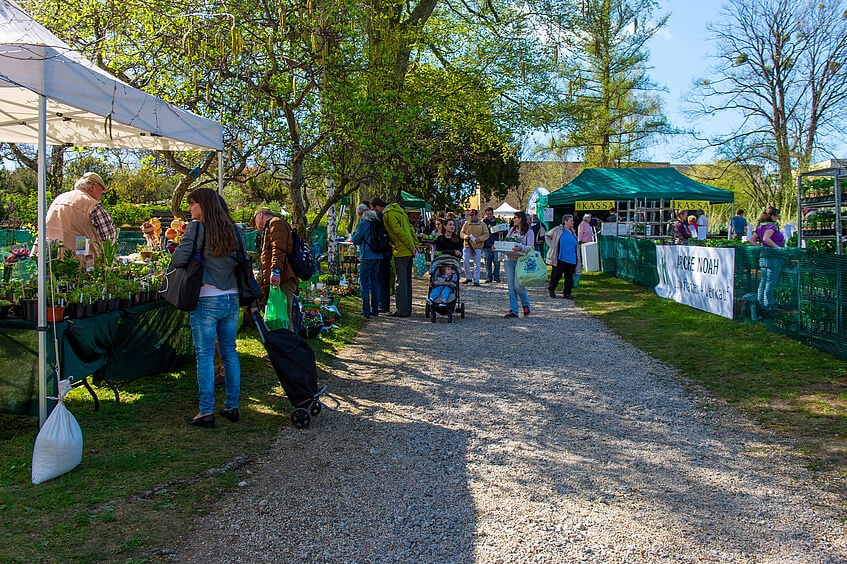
444,285
444,288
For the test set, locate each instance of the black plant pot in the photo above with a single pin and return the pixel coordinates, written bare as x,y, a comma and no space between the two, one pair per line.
75,310
100,306
29,309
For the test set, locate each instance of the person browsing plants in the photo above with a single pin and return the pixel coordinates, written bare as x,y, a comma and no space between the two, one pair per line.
277,244
216,314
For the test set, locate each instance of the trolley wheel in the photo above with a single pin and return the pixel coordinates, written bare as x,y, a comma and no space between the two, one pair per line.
300,418
462,311
315,408
450,317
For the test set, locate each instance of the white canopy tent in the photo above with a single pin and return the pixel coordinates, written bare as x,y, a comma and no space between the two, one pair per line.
52,95
504,209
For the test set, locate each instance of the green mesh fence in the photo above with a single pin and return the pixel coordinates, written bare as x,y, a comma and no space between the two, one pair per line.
810,294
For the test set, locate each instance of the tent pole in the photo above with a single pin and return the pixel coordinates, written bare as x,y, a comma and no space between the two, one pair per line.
41,262
221,173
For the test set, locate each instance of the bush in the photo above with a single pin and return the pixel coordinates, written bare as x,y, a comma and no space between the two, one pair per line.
124,213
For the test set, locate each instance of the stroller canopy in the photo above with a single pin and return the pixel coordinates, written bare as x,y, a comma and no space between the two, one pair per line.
446,260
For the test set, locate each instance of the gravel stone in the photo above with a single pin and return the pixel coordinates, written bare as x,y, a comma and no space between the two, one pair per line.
532,440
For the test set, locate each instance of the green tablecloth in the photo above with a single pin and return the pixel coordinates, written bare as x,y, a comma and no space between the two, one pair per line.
119,345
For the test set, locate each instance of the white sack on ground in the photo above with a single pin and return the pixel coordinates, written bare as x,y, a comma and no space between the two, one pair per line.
58,446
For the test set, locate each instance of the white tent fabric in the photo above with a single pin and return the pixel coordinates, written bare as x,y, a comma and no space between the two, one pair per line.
504,209
86,106
52,95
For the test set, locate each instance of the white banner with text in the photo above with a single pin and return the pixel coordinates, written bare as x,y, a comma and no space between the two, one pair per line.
700,277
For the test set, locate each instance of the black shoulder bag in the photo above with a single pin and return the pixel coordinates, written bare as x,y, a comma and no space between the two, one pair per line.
248,289
181,286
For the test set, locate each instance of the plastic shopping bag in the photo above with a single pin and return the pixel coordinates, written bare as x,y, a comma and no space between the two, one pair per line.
276,311
420,264
58,446
576,280
531,270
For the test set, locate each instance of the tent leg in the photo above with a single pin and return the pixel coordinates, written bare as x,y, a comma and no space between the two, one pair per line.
42,254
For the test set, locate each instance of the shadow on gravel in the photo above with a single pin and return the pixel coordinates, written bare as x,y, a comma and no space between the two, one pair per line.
386,512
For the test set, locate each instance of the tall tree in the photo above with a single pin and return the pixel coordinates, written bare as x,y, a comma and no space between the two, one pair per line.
614,113
780,68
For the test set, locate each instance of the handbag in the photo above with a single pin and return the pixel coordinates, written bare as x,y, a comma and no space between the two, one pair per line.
531,269
181,286
420,264
249,291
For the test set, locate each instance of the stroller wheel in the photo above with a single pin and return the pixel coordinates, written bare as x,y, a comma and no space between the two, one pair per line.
450,317
300,418
462,311
315,408
432,316
427,310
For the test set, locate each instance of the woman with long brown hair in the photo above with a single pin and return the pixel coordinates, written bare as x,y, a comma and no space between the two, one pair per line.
216,314
449,242
526,242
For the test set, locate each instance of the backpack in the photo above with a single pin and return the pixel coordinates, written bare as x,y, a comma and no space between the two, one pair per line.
379,241
300,257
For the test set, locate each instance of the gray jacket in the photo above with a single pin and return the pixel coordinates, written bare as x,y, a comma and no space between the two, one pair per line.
217,272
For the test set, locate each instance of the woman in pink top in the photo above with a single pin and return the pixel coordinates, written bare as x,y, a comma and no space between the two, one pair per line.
584,233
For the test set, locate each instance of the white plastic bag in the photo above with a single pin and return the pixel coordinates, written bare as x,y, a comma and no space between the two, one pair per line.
58,446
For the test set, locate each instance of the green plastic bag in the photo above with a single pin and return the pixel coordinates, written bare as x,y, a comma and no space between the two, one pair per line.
531,269
576,280
276,311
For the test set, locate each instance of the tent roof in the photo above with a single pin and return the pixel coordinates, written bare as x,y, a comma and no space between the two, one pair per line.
622,184
413,202
504,209
85,104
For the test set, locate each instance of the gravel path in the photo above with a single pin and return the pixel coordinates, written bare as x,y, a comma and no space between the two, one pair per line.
541,439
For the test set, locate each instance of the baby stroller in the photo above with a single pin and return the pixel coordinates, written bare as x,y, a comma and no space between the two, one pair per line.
453,303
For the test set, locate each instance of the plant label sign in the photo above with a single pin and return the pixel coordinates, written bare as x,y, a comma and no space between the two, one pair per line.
700,277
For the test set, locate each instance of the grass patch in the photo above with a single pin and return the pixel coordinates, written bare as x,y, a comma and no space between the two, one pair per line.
782,384
91,514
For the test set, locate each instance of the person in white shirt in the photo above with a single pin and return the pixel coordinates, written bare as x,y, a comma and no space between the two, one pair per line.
702,225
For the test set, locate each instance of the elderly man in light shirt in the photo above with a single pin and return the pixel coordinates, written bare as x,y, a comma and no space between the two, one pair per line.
584,233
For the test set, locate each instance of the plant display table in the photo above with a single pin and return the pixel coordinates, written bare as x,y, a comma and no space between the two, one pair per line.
110,347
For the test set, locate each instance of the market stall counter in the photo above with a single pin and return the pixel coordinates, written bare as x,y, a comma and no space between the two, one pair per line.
110,347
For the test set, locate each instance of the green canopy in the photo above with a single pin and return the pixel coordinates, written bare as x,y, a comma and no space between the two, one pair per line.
413,202
622,184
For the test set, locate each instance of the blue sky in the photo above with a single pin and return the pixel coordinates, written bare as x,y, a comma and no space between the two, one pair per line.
679,53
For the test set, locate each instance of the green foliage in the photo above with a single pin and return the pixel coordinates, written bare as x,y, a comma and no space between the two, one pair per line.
129,214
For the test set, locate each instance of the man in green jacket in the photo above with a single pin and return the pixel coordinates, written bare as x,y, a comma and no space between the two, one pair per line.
404,243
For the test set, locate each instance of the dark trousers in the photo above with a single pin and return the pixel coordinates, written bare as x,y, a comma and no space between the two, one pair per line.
384,279
562,268
403,292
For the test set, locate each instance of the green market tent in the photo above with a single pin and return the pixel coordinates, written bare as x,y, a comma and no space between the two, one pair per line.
623,184
411,202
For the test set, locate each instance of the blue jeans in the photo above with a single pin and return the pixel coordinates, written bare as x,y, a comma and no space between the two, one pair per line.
770,268
369,281
515,290
216,316
492,264
440,293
